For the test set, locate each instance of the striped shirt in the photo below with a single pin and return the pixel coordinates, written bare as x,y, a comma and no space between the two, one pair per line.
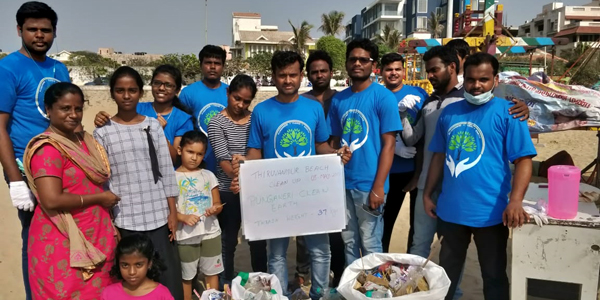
227,139
143,204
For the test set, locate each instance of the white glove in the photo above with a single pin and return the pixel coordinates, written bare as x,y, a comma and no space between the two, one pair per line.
537,212
21,196
408,102
402,150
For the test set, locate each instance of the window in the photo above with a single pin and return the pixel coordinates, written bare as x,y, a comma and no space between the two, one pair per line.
422,6
390,9
414,7
422,23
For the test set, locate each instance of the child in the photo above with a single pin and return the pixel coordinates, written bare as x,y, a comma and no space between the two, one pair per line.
138,267
142,174
173,116
198,233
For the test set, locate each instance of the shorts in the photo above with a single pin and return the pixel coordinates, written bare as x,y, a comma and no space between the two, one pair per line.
204,257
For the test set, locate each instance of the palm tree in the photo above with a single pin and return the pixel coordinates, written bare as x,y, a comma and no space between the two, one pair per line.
390,37
331,24
434,26
301,36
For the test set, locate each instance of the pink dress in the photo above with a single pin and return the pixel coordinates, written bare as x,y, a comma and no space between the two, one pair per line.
116,292
50,275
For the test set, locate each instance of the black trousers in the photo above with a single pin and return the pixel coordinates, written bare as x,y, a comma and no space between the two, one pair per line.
491,251
230,220
167,251
338,258
395,198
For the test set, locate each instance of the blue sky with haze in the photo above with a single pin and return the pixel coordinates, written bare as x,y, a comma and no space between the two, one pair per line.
169,26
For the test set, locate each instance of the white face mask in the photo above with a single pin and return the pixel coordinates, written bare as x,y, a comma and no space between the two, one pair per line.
481,98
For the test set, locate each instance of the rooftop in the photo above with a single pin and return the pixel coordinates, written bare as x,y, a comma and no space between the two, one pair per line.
268,36
246,15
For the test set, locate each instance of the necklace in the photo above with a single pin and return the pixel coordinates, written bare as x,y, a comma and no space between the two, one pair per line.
77,136
163,115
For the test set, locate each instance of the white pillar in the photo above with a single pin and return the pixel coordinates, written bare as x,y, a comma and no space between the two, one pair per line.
449,19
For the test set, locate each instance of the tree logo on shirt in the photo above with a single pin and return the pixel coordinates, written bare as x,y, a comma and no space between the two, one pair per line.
44,84
466,146
206,114
293,139
355,129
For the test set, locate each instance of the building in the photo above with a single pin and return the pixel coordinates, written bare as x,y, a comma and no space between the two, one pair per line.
580,24
61,56
250,37
379,14
227,49
125,58
418,12
353,29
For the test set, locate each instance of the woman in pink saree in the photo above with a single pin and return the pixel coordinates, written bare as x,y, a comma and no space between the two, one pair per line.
71,238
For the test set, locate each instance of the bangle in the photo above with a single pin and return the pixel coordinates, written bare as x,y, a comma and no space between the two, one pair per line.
376,195
81,198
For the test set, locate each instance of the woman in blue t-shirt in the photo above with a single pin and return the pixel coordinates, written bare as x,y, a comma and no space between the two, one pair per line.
174,117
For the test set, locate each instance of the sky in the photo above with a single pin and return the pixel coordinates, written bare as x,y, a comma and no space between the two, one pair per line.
178,26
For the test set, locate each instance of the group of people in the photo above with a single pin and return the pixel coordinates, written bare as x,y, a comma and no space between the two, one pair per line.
151,199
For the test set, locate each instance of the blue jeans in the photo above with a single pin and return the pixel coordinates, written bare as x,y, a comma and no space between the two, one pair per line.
25,217
320,258
425,229
364,230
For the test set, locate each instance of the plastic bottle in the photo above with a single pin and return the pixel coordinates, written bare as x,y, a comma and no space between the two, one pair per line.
563,191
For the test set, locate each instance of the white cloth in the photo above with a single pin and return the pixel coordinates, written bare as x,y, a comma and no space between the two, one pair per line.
402,150
21,196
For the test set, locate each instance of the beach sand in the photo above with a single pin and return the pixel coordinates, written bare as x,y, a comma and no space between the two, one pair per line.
582,145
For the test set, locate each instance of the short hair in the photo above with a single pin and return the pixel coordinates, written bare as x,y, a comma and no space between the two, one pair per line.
391,58
461,47
365,44
59,90
480,58
36,10
319,55
212,51
445,54
282,59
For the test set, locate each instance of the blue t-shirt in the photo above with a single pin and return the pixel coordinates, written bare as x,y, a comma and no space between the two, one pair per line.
23,83
478,143
287,129
360,119
403,165
205,103
178,122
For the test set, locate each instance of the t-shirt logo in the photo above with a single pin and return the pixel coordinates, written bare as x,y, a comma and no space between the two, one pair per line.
207,113
465,147
293,139
196,197
355,128
44,84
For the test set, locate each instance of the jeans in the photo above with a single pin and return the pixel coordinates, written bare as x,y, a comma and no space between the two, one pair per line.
25,217
320,257
491,251
364,230
338,259
425,228
395,198
230,220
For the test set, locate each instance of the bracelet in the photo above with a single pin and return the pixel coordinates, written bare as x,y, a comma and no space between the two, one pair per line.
376,195
81,198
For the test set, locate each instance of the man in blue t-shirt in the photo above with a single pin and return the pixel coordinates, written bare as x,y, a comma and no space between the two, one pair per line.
365,118
301,123
403,174
25,76
207,97
473,144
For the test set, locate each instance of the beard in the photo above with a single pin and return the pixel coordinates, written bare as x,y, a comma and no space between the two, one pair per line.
37,52
360,78
442,83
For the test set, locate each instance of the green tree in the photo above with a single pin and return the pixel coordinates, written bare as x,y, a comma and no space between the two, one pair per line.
293,138
188,64
209,116
385,49
462,140
336,49
433,25
260,63
3,55
235,66
92,64
331,23
390,37
352,125
301,36
139,62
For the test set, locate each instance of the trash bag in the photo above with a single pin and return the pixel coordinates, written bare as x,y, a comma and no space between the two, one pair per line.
239,291
436,277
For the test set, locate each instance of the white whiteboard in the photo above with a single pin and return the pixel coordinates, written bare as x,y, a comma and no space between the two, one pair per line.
295,196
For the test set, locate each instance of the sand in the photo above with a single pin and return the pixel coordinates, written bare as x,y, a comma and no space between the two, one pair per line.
581,144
